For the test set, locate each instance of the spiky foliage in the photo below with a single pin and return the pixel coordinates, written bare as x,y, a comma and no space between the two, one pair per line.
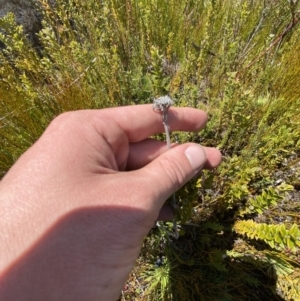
238,60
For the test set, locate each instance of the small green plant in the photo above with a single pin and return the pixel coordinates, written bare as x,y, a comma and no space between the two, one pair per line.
159,279
268,199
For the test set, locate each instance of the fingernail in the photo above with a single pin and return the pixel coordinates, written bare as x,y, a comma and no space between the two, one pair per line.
196,156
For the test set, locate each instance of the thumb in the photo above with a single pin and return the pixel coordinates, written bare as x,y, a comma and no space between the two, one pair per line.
173,169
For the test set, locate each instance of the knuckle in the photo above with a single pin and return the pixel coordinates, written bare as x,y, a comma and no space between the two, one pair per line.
62,121
62,118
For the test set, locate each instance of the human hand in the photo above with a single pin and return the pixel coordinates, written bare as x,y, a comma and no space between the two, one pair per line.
76,206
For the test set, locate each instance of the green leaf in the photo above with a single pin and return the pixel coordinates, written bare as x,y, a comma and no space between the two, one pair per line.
278,238
294,231
282,230
269,236
258,210
290,243
271,243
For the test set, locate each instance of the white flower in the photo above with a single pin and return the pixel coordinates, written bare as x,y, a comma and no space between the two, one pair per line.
162,103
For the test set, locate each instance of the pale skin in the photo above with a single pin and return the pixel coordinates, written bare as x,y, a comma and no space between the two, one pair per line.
76,206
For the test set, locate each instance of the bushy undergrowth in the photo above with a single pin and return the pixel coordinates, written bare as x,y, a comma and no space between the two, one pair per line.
239,61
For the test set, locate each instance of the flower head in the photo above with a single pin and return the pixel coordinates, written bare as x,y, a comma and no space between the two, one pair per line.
162,103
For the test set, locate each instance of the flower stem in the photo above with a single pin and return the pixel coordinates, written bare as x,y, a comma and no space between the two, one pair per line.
167,127
163,104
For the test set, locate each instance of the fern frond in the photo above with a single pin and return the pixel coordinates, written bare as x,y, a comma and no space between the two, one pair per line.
276,236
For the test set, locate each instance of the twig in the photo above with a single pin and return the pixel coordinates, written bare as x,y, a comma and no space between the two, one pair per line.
79,77
254,32
281,36
138,283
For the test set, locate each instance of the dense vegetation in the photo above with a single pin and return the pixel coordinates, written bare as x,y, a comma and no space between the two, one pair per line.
237,59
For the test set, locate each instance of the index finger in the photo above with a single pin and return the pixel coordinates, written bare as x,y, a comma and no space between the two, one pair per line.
141,121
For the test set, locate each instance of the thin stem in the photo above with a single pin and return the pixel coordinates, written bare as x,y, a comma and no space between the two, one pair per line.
167,128
168,140
162,104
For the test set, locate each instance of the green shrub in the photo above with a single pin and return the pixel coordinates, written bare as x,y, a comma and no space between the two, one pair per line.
239,61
